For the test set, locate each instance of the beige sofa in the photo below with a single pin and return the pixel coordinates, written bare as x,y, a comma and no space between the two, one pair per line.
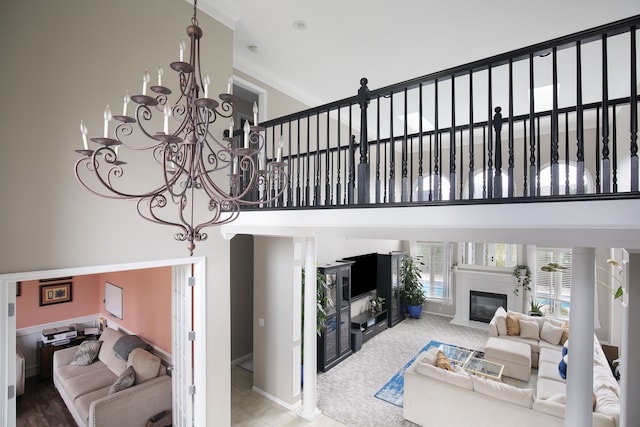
85,389
433,396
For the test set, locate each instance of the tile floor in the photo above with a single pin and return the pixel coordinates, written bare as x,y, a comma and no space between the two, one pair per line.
249,408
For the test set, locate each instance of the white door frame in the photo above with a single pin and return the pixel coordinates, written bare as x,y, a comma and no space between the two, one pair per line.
8,327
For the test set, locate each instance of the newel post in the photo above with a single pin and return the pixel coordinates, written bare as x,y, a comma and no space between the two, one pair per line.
363,166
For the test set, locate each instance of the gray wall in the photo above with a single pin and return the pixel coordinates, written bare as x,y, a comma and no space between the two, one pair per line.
241,296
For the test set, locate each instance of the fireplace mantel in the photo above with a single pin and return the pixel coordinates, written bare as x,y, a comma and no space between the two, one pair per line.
499,281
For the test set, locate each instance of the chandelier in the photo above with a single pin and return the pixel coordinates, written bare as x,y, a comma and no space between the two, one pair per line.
190,189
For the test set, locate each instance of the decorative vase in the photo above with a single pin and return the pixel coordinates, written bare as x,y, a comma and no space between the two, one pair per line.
414,311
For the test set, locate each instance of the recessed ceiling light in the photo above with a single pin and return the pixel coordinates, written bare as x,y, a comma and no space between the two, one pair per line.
253,48
300,25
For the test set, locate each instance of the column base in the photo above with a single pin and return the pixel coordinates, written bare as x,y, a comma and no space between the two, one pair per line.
309,417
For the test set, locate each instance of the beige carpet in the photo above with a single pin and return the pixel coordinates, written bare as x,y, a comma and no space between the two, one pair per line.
346,392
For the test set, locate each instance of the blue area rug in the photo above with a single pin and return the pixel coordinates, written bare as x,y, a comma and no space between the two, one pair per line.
393,390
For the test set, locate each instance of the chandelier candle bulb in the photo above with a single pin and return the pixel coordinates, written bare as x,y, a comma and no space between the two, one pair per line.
255,114
231,124
83,131
183,46
167,113
206,81
230,85
127,98
279,156
145,81
107,119
160,73
247,129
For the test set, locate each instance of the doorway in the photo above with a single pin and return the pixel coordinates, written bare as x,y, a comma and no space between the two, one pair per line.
188,305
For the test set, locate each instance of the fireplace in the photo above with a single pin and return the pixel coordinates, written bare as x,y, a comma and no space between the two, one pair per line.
483,305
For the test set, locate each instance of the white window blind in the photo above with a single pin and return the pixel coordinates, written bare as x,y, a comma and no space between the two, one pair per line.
553,288
436,260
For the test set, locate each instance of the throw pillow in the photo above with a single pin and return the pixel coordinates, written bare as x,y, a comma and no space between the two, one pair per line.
124,381
86,354
529,329
565,332
501,321
431,355
562,366
145,364
551,333
126,343
513,325
443,361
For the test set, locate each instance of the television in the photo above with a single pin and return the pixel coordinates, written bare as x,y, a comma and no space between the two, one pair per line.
364,275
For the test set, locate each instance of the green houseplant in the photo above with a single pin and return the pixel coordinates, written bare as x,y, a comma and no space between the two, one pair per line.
412,294
522,278
535,308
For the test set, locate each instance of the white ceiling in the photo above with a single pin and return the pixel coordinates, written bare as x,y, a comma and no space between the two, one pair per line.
389,41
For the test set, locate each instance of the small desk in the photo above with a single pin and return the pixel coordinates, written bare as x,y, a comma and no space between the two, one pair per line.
45,352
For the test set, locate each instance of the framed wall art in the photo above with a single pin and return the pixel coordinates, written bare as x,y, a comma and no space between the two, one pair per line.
55,293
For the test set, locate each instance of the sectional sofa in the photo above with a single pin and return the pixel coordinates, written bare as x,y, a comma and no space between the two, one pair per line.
433,396
110,390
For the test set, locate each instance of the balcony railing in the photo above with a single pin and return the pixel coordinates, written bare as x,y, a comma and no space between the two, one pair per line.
557,120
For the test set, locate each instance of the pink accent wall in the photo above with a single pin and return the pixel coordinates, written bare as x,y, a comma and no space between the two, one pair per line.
146,303
85,294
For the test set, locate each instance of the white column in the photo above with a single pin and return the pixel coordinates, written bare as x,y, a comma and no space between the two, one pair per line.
309,398
580,366
630,343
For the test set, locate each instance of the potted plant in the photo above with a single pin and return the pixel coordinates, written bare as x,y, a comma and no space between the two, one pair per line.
522,277
412,294
376,302
535,308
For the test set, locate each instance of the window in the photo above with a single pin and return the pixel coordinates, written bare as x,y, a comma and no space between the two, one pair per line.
436,259
490,254
553,289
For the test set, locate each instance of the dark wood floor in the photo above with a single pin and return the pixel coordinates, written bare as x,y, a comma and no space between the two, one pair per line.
42,406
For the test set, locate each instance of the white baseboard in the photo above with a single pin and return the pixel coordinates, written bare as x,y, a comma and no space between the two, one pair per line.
241,359
291,407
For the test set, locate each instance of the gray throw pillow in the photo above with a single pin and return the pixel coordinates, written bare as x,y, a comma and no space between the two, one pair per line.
126,343
87,352
124,381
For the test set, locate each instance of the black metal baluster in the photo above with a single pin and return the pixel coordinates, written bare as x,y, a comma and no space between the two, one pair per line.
392,155
597,144
316,191
420,147
532,130
614,142
490,135
497,179
351,159
471,138
579,122
539,154
363,166
307,185
452,142
437,195
327,185
290,201
461,164
567,187
430,167
510,177
484,162
555,176
298,189
404,196
378,188
338,164
273,150
524,158
606,165
633,119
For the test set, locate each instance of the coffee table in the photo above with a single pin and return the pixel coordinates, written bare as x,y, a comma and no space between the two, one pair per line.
484,368
457,355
